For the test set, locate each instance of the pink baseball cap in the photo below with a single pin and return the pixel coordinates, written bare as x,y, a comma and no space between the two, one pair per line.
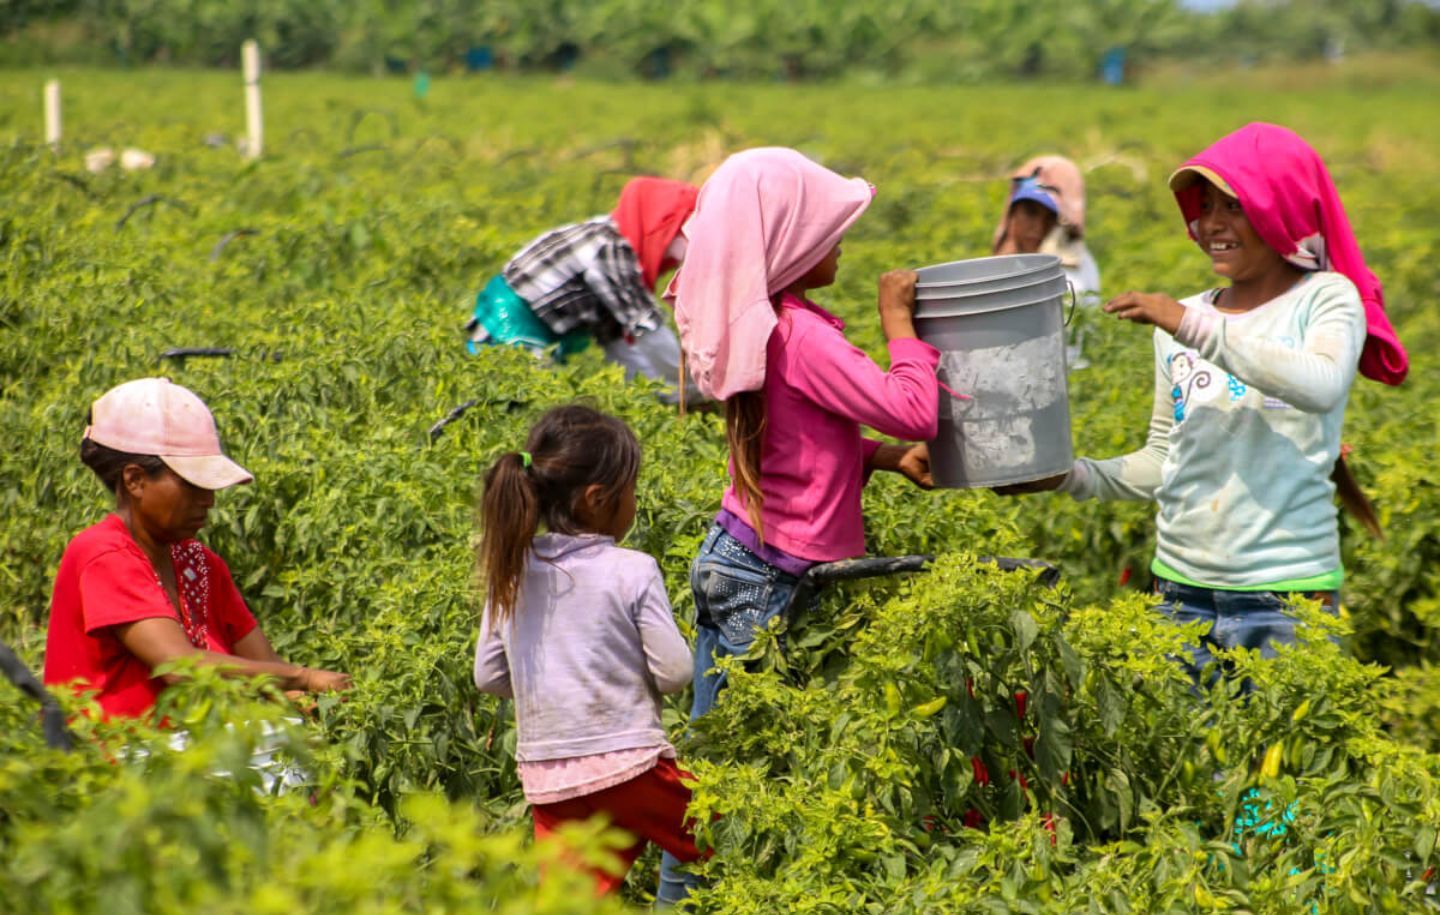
153,416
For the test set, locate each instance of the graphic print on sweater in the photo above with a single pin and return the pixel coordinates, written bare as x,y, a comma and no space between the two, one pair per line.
1194,381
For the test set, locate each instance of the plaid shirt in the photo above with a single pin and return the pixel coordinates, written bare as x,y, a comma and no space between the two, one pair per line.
585,275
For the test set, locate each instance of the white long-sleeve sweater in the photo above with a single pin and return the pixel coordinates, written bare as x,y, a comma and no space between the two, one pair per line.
1243,436
591,647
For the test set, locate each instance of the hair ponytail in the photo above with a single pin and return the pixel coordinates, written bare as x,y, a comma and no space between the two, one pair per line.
744,432
1353,498
509,517
569,448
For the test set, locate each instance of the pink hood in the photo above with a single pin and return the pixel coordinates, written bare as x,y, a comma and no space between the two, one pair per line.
764,218
1291,201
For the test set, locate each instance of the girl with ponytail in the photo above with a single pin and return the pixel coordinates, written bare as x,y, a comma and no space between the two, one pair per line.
579,632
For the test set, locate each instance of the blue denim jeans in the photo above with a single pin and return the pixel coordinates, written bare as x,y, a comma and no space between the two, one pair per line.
736,594
1259,620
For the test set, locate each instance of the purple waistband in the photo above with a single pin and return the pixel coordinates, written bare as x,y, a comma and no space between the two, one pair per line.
741,530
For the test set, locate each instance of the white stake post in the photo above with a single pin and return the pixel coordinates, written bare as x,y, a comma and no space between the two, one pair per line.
254,124
52,113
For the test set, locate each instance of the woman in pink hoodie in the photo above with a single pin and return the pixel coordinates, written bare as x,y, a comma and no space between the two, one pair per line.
766,232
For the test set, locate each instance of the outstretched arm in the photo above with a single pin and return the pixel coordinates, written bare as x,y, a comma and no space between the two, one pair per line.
1314,377
160,640
1134,476
910,461
837,375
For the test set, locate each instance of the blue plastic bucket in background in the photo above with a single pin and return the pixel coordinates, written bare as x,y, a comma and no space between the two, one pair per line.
1000,327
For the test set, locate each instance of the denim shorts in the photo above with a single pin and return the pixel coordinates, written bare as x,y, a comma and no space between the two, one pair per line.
1259,620
737,594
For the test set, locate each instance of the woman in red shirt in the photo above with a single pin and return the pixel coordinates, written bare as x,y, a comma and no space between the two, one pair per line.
138,590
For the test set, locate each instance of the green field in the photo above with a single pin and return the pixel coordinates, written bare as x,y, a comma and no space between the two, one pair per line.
373,218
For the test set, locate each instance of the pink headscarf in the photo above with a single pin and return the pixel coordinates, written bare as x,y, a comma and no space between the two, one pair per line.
1291,201
1063,179
764,219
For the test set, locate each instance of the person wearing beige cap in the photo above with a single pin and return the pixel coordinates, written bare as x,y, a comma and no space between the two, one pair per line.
1045,214
137,590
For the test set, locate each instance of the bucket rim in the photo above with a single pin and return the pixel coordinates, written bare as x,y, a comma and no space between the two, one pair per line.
1028,476
1015,281
1058,298
962,293
1044,261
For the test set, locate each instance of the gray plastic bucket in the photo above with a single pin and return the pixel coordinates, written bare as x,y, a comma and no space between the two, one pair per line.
1000,329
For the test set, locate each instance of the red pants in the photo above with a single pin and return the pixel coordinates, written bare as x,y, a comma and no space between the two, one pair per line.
650,807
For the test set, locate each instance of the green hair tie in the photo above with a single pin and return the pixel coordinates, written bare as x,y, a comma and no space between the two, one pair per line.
526,459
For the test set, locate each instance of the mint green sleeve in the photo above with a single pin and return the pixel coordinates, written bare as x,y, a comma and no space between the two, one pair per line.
1134,476
1315,377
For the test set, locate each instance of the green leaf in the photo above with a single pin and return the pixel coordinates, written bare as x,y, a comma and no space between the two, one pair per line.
1054,747
1111,705
1025,630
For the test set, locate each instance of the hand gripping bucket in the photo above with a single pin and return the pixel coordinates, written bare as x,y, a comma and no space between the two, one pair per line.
1000,327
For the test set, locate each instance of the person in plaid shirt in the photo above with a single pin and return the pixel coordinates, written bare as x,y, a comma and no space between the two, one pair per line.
596,279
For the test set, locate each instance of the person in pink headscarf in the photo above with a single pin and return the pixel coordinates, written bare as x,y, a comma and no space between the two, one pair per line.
766,233
1251,382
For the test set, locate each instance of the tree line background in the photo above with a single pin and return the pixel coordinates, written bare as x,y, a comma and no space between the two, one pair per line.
940,40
